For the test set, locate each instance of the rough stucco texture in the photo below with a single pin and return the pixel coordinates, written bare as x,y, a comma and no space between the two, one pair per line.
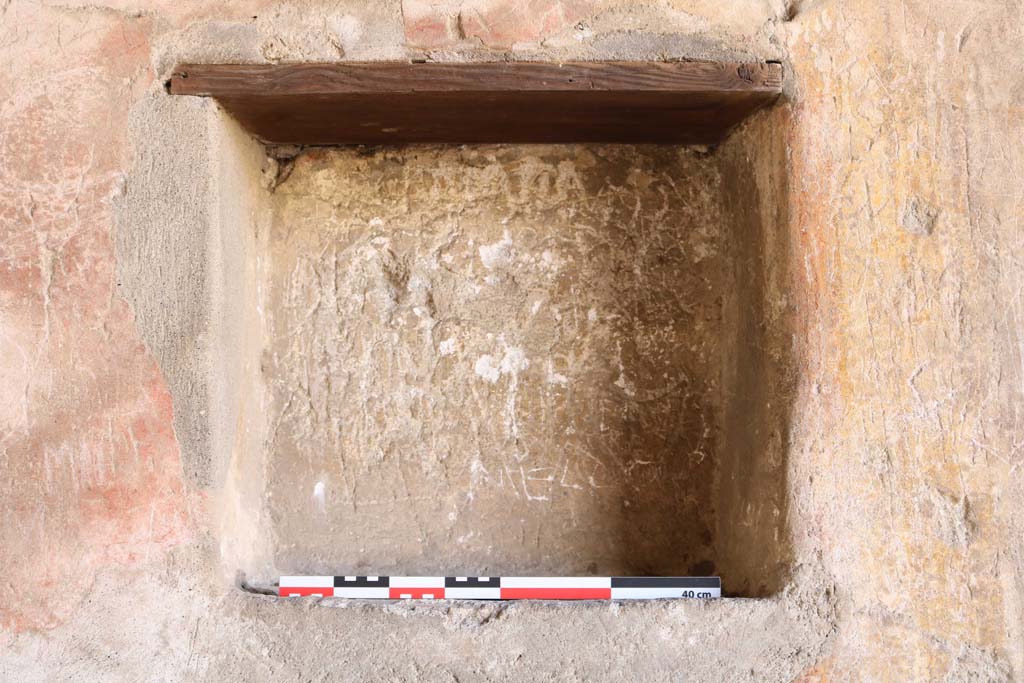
894,256
496,360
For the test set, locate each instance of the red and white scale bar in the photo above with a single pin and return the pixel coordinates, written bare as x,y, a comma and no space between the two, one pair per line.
502,587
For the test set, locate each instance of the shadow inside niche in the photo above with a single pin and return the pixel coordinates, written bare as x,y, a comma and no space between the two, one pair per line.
712,401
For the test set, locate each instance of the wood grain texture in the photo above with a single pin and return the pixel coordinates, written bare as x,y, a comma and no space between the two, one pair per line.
518,102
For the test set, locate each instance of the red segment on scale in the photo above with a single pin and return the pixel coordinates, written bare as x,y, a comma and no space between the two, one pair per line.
400,593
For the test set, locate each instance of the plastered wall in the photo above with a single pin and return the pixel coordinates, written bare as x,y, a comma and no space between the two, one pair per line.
890,269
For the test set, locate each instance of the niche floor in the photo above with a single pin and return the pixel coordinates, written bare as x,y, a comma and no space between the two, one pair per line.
504,359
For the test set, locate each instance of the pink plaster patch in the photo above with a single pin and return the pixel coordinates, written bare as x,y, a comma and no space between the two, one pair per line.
90,470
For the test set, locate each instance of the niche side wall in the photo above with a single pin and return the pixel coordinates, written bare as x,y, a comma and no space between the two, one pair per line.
760,376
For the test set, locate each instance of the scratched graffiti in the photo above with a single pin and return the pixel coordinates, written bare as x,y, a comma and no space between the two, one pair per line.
506,356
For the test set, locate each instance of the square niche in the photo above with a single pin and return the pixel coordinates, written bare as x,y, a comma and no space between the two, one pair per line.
513,358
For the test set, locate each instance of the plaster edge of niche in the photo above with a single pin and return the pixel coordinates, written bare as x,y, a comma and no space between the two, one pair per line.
160,224
188,226
240,211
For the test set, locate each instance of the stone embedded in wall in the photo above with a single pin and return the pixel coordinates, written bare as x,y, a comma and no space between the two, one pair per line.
494,23
919,216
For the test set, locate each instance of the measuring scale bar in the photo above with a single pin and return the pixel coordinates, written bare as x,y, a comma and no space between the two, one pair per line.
502,587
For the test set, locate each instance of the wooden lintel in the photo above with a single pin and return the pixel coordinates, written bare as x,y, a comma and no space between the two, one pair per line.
513,102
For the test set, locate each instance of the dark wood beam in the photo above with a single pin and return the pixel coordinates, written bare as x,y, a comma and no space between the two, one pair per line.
515,102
